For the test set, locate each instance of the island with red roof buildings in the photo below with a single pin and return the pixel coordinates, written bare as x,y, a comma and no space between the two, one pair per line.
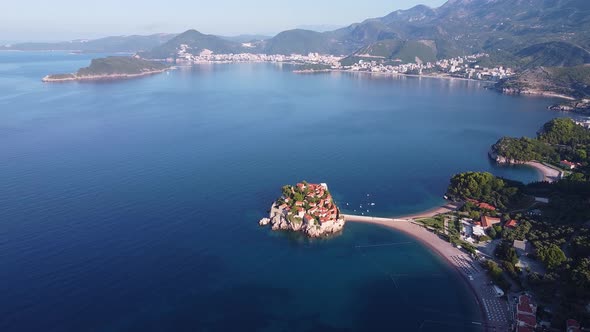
307,208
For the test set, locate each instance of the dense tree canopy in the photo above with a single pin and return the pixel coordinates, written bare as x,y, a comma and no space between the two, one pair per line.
552,256
482,187
559,139
564,132
525,149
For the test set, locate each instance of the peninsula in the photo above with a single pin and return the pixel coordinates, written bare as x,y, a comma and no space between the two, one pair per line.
110,68
307,208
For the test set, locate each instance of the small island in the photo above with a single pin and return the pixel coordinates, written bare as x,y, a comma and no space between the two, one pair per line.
307,208
110,68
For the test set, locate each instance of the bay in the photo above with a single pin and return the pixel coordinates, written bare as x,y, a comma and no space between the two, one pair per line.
133,205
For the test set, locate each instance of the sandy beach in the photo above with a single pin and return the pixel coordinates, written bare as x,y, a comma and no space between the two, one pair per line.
449,207
548,174
494,310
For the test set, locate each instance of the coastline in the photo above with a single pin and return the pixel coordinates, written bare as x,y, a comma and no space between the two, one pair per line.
537,93
74,77
443,77
446,208
454,257
546,173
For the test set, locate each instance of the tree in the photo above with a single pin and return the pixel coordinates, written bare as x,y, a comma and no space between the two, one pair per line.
286,191
498,229
484,187
506,252
298,197
552,256
580,276
577,177
492,232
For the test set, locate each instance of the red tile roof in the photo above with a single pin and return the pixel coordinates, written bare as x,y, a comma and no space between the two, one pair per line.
525,305
488,222
486,206
526,320
567,163
511,223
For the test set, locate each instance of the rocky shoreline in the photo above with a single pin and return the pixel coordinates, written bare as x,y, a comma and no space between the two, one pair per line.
501,160
532,92
305,208
279,221
580,106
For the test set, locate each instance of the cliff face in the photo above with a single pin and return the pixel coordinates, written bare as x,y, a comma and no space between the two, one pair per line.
503,160
279,220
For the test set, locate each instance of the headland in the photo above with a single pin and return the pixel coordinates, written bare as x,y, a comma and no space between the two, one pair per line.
111,68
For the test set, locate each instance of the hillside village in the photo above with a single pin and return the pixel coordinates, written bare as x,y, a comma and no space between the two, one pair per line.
307,208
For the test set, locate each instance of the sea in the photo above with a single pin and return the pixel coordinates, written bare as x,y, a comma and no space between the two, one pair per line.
134,205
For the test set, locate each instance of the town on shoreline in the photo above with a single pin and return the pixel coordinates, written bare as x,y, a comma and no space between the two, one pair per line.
461,67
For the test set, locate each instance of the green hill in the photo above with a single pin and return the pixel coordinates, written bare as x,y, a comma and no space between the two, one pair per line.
111,67
568,81
197,42
401,51
300,42
554,54
521,33
120,65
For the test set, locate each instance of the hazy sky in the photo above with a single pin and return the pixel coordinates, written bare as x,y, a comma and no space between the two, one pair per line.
70,19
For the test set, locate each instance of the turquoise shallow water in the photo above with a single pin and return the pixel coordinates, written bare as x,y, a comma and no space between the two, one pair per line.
133,205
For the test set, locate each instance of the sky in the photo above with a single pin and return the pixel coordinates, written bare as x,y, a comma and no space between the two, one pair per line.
52,20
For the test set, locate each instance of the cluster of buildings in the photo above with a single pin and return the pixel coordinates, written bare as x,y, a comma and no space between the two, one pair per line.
307,208
475,229
317,203
185,55
526,316
460,67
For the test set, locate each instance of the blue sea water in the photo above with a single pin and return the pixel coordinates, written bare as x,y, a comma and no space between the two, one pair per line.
133,205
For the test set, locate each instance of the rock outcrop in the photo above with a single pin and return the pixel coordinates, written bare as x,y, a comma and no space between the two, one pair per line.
503,160
306,208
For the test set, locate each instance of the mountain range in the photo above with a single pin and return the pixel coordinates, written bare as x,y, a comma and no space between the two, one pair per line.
518,33
129,44
521,33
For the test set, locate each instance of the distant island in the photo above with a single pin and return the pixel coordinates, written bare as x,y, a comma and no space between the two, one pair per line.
307,208
113,67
